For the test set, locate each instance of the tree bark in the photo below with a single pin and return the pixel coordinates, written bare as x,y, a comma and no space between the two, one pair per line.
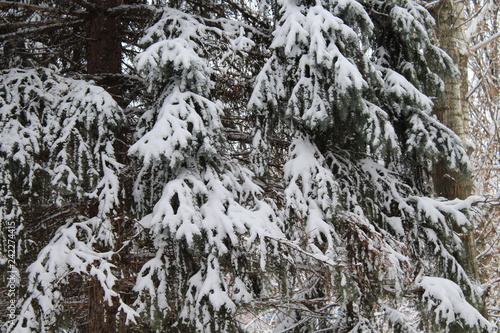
102,317
452,109
104,45
96,313
103,56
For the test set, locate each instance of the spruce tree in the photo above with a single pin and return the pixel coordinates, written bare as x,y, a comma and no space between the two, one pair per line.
267,158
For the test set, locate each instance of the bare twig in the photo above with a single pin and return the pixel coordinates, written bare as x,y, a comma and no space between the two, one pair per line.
484,43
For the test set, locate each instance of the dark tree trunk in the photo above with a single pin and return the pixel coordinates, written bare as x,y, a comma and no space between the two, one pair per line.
102,316
96,313
103,55
104,45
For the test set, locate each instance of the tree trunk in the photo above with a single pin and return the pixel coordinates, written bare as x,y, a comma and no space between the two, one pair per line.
103,55
452,109
102,317
104,45
96,313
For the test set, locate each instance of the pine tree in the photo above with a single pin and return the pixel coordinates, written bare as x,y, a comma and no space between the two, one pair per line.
244,159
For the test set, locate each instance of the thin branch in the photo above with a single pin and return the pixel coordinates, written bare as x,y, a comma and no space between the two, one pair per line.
489,168
235,135
87,4
38,8
489,283
430,4
59,24
21,25
469,94
484,43
126,8
319,257
492,244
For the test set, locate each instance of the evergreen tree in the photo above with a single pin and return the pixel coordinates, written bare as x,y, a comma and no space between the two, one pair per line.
243,158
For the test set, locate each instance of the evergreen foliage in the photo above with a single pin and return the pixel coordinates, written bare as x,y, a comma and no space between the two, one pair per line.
252,159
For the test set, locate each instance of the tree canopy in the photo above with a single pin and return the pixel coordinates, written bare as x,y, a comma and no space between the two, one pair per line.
216,166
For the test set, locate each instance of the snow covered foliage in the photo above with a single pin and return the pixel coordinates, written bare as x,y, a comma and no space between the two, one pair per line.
276,161
208,203
72,251
57,138
448,302
353,97
57,149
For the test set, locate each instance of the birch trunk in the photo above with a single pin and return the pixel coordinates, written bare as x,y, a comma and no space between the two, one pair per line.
452,109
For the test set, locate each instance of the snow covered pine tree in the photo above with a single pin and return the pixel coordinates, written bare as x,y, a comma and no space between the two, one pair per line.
278,167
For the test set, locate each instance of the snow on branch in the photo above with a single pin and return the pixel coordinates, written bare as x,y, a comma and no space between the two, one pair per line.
71,251
182,120
58,126
484,43
445,298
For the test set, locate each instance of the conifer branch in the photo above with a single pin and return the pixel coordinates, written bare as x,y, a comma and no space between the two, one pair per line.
11,4
42,27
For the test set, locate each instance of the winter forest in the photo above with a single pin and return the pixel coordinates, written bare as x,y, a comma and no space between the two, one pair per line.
249,166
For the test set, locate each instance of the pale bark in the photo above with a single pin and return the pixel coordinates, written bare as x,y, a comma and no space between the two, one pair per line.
452,109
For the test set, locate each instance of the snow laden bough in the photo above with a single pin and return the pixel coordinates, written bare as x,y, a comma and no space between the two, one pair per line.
345,229
210,213
58,136
75,250
360,123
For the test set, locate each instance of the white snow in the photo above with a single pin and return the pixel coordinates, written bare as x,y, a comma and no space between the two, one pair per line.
449,304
